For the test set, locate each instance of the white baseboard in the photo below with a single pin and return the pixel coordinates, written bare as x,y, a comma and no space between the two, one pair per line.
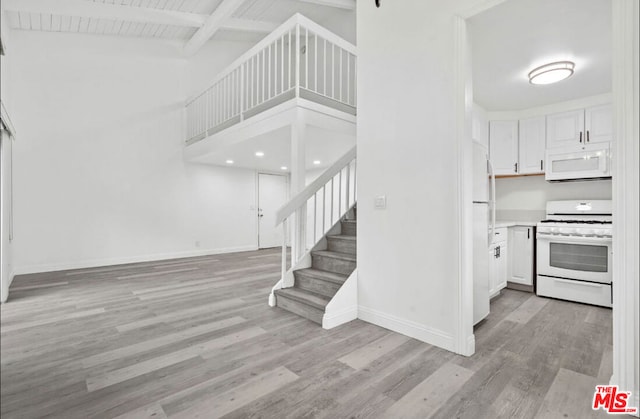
407,327
5,292
343,316
96,263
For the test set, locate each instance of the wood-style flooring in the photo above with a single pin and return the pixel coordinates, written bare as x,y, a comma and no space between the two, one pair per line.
195,338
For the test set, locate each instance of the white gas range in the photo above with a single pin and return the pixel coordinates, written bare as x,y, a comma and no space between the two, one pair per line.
574,252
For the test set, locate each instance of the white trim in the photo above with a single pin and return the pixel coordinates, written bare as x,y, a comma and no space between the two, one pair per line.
626,184
339,317
343,307
97,263
407,327
5,293
463,312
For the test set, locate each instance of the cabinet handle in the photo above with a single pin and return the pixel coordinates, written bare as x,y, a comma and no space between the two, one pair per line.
580,136
541,167
528,234
515,167
587,135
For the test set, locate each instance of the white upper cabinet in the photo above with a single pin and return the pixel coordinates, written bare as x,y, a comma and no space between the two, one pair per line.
532,144
580,127
565,129
598,124
503,147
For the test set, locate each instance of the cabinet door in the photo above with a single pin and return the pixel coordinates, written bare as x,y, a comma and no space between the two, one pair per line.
502,262
503,146
532,144
493,272
520,265
565,129
598,124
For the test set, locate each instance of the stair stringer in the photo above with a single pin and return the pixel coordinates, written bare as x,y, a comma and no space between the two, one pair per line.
305,261
343,307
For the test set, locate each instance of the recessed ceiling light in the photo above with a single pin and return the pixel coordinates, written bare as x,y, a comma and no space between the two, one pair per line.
229,161
316,162
283,167
259,154
551,73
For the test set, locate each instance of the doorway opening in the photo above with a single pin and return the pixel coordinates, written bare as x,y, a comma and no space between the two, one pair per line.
272,195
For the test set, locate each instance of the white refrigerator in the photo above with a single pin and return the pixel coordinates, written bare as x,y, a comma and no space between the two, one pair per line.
484,216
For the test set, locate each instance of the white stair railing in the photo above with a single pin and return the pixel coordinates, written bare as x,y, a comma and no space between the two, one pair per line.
319,206
299,59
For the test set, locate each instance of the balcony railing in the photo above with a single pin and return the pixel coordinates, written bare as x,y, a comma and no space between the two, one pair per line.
300,59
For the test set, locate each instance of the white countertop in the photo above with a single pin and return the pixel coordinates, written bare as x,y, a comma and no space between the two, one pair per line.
507,223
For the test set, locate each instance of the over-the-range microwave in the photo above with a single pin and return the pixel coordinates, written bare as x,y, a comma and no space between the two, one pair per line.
589,162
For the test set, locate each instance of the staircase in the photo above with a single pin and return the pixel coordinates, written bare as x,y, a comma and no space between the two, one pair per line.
314,287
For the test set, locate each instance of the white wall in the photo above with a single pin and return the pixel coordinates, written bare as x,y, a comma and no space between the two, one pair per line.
6,247
524,198
99,173
6,258
408,254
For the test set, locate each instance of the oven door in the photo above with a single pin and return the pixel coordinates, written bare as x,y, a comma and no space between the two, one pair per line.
574,257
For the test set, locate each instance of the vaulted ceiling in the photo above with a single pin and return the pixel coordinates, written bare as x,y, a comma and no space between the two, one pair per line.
192,21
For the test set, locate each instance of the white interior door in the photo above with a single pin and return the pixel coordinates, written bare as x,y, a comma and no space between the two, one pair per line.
272,194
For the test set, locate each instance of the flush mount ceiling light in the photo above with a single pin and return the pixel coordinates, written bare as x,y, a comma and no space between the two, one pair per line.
316,162
259,154
551,73
283,168
229,161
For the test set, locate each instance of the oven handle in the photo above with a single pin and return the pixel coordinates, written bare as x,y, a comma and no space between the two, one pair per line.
584,284
573,239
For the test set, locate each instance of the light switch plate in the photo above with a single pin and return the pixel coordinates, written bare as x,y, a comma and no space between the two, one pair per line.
380,202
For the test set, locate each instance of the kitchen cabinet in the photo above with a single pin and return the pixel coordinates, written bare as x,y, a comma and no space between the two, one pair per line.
531,145
580,127
503,147
520,262
498,257
598,124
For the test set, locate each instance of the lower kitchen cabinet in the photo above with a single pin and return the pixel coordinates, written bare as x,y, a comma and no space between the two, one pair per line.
520,262
498,256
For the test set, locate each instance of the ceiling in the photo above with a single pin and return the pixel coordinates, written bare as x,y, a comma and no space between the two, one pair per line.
516,36
322,145
64,16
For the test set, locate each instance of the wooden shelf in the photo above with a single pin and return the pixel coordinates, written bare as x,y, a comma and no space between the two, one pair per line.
517,175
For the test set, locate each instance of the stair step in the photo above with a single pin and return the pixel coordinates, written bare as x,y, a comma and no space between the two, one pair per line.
342,244
337,262
320,282
303,303
349,227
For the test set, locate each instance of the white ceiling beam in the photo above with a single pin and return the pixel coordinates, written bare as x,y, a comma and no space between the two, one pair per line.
89,9
248,25
340,4
213,24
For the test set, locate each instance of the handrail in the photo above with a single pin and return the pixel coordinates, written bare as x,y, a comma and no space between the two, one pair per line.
270,38
301,198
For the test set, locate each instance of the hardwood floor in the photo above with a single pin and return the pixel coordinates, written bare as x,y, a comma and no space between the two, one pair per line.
195,338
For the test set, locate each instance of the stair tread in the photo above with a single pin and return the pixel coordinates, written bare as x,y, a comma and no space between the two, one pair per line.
342,237
335,255
324,275
349,221
307,297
